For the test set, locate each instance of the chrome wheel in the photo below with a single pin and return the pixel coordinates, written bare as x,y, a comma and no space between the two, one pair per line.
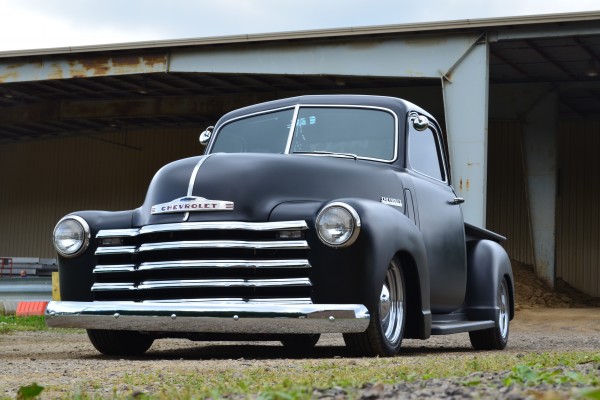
503,302
391,304
384,335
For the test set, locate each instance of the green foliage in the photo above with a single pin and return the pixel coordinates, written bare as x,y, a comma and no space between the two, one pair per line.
527,375
10,323
590,394
292,393
29,392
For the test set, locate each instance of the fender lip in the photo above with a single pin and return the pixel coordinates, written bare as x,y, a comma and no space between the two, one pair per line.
209,317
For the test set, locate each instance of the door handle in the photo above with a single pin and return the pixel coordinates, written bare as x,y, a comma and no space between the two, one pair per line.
457,200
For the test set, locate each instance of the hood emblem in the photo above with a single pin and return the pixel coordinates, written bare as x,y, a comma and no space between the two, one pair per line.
191,204
390,201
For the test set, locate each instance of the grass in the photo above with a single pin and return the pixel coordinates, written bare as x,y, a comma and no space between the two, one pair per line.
11,323
295,379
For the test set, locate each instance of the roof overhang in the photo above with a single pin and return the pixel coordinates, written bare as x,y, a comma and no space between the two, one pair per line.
505,23
50,93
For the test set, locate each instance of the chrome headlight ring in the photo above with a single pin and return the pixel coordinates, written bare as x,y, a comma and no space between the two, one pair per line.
338,225
71,236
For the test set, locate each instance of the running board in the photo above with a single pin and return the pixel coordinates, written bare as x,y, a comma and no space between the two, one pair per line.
449,327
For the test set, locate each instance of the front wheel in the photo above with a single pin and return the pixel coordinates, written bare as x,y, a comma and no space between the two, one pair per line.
119,343
495,338
300,343
384,335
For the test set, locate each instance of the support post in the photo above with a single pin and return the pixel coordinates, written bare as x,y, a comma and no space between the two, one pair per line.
539,139
466,106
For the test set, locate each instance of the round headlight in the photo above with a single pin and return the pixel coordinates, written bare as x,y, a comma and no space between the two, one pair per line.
338,225
71,236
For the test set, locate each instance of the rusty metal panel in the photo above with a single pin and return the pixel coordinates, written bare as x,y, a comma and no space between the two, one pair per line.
81,66
507,209
578,206
43,180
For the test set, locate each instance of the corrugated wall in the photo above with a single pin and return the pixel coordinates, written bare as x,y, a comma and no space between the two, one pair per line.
40,181
578,206
507,209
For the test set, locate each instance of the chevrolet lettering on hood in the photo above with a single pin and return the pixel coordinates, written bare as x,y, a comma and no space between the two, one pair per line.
190,204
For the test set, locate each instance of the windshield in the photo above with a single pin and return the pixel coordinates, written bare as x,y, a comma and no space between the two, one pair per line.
359,132
363,132
262,133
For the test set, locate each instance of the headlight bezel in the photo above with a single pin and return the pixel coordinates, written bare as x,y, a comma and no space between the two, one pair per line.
356,224
86,236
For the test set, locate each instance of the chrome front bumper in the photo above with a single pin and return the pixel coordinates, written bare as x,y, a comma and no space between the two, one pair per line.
209,317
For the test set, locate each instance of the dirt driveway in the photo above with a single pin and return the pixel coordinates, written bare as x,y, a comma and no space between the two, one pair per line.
68,359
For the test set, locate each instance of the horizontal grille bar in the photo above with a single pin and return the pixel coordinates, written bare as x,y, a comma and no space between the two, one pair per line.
102,287
228,226
236,300
200,264
107,269
202,283
200,226
226,244
224,283
101,251
117,233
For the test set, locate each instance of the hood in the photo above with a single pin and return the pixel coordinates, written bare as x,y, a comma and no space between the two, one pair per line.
256,183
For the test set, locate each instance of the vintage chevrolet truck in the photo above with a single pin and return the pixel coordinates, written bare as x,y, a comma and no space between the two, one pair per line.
307,215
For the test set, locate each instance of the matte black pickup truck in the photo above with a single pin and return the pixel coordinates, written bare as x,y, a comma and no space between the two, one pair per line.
308,215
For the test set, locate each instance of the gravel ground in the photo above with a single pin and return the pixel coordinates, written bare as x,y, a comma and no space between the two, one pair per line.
67,359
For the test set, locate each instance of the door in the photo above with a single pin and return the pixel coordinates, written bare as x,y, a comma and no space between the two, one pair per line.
439,215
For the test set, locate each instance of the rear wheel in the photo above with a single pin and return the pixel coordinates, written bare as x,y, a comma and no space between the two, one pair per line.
384,335
119,343
495,338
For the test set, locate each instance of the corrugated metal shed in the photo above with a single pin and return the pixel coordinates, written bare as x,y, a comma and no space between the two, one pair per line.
507,209
578,206
70,174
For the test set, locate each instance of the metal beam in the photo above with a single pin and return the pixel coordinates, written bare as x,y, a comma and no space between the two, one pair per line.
416,57
81,66
538,31
172,106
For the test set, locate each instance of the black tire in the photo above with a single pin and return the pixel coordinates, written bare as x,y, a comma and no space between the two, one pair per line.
495,338
384,335
119,343
300,343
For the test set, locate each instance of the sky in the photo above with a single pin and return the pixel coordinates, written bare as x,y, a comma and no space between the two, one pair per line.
37,24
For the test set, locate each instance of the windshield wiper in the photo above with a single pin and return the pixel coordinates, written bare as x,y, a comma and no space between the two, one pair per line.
327,153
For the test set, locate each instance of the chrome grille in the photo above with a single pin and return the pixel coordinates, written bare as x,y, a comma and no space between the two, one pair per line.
204,261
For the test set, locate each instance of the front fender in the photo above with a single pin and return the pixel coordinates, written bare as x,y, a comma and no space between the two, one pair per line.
355,274
75,274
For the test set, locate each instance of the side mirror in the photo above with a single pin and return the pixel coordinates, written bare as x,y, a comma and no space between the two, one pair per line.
419,122
205,136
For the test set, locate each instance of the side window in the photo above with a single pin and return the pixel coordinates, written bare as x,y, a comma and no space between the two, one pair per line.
424,152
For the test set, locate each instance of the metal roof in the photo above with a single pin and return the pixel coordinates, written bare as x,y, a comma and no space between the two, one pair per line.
561,49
